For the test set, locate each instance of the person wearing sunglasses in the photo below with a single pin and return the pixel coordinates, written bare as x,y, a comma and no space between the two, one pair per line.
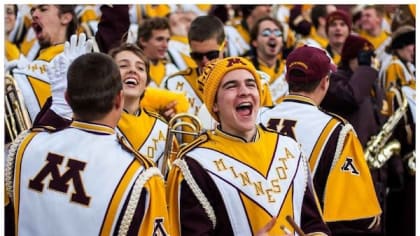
267,44
207,42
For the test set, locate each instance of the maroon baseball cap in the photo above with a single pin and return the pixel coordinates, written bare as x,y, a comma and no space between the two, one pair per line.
312,62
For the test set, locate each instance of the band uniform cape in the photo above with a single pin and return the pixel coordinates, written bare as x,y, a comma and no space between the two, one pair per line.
222,185
340,174
83,180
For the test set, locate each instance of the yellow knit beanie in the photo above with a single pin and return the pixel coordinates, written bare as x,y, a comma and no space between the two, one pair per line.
214,72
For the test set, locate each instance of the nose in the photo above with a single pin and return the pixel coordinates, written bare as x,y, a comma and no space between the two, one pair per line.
243,90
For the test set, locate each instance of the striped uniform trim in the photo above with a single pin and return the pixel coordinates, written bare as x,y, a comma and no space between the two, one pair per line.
10,162
135,197
196,190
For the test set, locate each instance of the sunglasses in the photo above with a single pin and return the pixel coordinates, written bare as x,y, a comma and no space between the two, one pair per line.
268,32
210,55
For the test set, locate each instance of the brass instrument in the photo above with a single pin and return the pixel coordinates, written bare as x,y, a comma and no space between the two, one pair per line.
178,126
411,162
379,150
16,115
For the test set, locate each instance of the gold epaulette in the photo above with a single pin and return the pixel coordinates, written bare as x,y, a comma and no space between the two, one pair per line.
338,117
145,161
155,115
198,141
185,72
43,128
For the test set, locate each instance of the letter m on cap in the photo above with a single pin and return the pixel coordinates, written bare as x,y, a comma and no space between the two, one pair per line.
236,60
59,182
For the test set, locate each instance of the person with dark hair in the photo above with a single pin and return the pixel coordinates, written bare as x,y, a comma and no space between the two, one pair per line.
153,37
53,26
266,54
236,178
206,38
399,81
93,182
341,177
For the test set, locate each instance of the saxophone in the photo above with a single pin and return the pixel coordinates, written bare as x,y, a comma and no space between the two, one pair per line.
379,150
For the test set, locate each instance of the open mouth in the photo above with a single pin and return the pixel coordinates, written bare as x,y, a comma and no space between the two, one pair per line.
131,82
244,109
37,28
272,44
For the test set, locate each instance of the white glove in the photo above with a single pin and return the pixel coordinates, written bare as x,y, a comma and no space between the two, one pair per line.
77,47
20,63
57,72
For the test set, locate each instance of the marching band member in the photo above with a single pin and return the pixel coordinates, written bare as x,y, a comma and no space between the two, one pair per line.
92,183
235,179
341,176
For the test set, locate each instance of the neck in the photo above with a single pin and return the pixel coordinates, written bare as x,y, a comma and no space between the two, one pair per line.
336,48
315,97
131,105
321,31
270,62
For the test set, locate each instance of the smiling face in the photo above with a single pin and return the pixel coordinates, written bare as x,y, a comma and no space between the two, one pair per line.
157,46
9,18
269,42
133,74
237,103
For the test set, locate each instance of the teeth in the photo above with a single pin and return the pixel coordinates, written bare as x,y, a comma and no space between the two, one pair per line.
130,81
244,105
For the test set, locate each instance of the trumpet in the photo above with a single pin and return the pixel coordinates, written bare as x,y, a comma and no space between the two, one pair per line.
178,126
16,115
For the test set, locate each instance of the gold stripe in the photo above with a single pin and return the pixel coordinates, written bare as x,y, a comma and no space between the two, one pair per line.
41,90
321,141
92,127
111,215
18,163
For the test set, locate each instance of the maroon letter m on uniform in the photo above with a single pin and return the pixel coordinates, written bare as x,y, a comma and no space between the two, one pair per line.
61,182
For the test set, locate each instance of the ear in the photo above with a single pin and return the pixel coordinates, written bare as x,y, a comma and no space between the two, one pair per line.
66,18
215,108
142,42
119,100
254,43
325,83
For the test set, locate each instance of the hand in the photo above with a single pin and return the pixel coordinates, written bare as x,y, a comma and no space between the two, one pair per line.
20,63
364,58
169,110
57,74
77,46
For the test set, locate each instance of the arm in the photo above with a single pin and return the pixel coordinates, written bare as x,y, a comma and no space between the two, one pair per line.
188,217
114,23
350,183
